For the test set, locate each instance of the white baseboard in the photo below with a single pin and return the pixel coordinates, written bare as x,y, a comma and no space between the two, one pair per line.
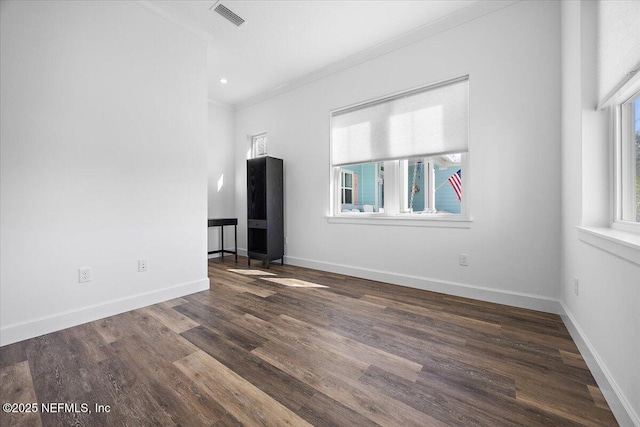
44,325
619,404
499,296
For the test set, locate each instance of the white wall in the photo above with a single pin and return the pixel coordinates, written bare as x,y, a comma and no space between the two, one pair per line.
604,317
221,156
513,59
103,162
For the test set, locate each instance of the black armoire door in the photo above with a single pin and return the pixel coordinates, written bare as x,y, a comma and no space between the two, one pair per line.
265,213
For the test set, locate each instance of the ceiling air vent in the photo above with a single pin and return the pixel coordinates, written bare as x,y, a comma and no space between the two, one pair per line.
228,15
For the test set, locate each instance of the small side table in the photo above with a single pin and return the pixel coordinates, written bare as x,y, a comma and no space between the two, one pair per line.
221,222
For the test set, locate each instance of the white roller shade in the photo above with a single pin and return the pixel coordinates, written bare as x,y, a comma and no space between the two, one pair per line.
618,44
423,122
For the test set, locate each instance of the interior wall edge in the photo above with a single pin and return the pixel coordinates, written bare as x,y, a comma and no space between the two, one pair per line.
44,325
619,404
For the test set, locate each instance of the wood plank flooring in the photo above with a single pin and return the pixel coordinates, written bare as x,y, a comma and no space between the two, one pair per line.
255,351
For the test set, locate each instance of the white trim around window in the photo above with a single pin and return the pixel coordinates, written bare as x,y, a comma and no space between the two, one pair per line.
622,237
624,178
433,221
258,145
620,243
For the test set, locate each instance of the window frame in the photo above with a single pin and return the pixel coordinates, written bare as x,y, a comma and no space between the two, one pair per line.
253,142
623,135
619,237
393,213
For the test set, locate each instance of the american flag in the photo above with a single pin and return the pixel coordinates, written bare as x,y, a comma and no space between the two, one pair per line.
456,183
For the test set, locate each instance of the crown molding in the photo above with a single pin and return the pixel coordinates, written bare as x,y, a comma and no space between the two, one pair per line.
221,104
468,14
183,23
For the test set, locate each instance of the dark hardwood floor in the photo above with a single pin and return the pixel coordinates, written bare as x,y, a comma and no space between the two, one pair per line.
253,351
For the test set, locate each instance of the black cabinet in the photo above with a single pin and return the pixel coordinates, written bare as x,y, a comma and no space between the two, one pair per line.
265,211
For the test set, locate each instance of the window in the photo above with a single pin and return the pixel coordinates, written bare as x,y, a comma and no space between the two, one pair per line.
259,145
418,139
624,106
628,167
362,188
434,185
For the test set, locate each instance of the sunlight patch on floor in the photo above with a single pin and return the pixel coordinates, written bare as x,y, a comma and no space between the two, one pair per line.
251,272
295,283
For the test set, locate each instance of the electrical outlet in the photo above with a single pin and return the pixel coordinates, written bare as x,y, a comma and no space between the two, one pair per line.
463,259
142,265
84,275
575,285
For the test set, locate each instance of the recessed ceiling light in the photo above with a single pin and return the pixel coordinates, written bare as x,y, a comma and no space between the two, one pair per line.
223,81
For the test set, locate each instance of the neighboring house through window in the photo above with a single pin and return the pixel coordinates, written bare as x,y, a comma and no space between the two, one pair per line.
434,184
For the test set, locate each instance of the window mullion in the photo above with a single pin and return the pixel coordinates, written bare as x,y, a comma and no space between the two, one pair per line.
429,186
392,184
403,168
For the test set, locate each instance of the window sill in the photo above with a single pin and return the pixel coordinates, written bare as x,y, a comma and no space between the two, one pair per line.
624,244
402,220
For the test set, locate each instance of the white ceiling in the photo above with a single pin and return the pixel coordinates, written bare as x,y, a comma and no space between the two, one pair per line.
282,41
